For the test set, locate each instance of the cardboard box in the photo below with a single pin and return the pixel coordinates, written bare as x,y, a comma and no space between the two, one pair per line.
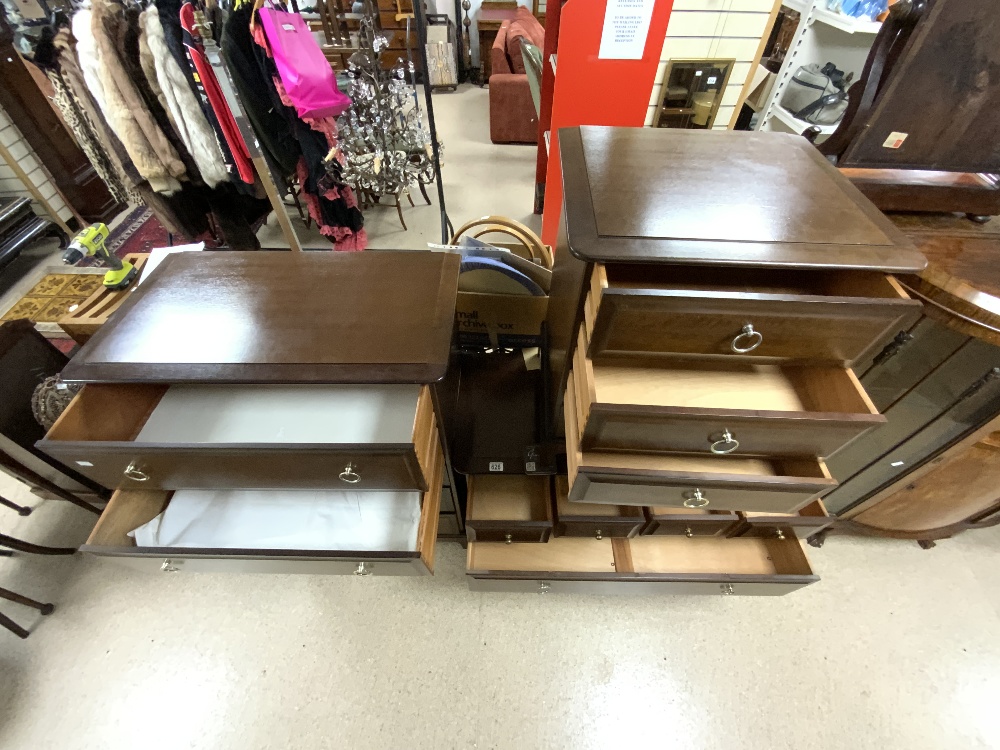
507,321
760,88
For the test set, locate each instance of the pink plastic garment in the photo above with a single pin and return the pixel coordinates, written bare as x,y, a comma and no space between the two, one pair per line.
307,76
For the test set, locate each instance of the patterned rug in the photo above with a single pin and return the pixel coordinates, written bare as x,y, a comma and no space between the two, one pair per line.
53,296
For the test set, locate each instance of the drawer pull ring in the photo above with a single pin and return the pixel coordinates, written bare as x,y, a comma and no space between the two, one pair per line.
725,444
688,533
362,570
508,539
543,588
349,475
781,534
727,589
753,339
136,474
695,499
169,567
599,534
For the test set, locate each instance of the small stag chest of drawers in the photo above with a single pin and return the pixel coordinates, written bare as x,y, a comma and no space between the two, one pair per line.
711,292
255,376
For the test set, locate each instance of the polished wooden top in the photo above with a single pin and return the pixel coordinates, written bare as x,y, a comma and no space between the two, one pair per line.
280,317
961,284
719,197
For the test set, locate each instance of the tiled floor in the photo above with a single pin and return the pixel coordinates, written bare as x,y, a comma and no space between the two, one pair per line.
896,647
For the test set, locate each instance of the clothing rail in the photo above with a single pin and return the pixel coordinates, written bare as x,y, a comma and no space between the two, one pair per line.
214,55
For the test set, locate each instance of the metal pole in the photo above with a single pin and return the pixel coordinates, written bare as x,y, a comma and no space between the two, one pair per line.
446,227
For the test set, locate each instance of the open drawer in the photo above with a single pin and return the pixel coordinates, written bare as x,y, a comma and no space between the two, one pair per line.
718,408
509,508
806,522
760,314
408,546
780,485
592,519
691,522
248,436
643,565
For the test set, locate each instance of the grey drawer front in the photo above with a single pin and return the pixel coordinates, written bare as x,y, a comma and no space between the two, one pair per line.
639,588
174,564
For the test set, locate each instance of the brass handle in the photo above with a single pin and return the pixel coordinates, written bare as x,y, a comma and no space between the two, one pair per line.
719,446
135,473
362,570
688,533
169,567
543,587
781,534
750,335
599,535
695,499
727,589
509,539
349,474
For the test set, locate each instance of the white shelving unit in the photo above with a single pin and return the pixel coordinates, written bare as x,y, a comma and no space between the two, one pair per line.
822,36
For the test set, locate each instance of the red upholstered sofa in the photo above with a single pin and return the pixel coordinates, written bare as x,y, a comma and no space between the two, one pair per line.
512,114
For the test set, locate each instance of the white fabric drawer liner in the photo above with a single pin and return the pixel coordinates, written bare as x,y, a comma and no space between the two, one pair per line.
294,519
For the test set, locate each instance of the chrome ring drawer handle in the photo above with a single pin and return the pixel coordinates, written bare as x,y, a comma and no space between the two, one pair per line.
695,499
508,538
169,567
362,570
688,532
727,589
134,473
748,333
599,534
719,447
543,588
349,474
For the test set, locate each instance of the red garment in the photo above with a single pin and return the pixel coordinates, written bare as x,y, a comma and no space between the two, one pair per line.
203,69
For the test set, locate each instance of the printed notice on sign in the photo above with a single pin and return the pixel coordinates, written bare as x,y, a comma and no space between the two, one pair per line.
626,26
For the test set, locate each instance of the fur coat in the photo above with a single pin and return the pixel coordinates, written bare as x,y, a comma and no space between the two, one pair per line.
182,106
151,151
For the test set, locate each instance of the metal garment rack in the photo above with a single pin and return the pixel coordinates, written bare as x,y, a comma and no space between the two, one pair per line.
213,53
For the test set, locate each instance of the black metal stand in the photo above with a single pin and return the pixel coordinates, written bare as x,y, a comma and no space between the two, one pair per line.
13,627
21,510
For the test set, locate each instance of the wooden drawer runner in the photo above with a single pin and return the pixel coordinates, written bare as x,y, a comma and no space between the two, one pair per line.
129,509
690,481
509,509
593,520
643,565
248,436
760,314
720,408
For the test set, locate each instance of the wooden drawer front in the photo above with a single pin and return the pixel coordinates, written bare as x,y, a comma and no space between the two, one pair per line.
747,410
688,481
509,509
796,316
596,521
644,565
129,509
690,523
155,437
809,520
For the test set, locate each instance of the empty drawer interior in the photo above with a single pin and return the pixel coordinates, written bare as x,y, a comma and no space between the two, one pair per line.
857,284
563,554
730,386
668,555
509,498
257,520
592,511
238,414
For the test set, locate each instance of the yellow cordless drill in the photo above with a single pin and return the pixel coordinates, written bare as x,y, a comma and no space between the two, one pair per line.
91,241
